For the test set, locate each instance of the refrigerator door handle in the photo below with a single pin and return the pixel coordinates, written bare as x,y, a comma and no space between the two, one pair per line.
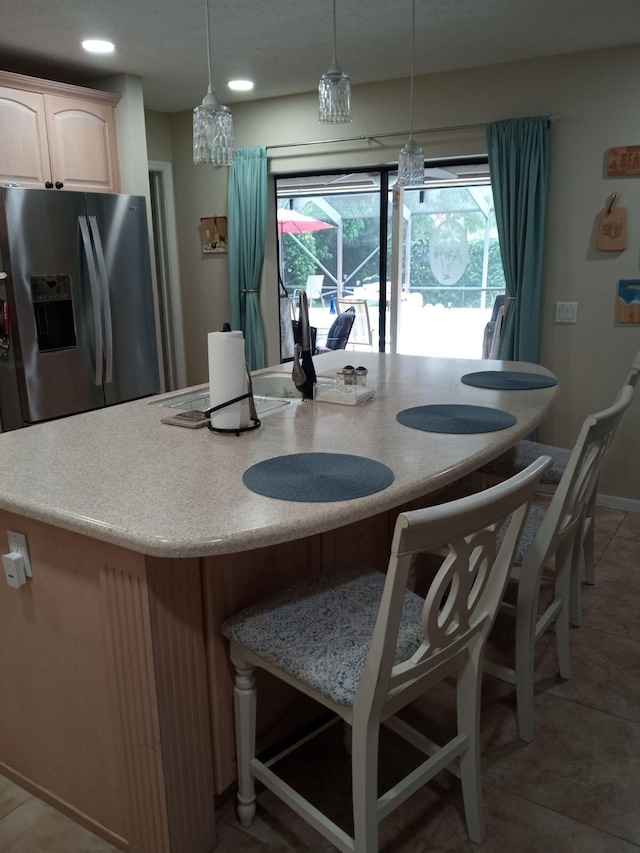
106,303
95,295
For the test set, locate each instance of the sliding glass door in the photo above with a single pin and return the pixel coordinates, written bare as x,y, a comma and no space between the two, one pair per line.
446,269
424,260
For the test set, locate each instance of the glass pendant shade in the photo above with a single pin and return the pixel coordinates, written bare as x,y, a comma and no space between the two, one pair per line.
212,122
334,97
212,132
334,91
410,165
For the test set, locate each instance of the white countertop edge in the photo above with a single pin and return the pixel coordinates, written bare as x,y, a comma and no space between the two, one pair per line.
331,515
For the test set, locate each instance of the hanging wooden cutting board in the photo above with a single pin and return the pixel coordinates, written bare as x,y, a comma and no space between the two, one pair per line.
612,229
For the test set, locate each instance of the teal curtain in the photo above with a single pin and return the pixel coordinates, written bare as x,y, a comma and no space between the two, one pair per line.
247,229
519,165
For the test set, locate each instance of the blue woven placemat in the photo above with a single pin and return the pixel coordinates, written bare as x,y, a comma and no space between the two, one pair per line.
452,418
508,380
318,477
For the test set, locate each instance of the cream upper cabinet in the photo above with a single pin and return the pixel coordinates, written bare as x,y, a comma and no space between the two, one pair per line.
24,151
58,136
82,144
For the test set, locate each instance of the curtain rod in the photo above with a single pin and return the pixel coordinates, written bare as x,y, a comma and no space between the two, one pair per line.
373,136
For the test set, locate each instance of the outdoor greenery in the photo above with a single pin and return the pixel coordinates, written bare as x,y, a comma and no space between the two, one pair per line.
361,235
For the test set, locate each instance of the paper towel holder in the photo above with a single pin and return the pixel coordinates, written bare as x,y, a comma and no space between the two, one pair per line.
253,415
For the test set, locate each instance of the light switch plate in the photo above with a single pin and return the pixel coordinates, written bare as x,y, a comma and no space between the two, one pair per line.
566,312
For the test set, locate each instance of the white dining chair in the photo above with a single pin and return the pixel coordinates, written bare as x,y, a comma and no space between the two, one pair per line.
364,646
555,533
522,454
362,334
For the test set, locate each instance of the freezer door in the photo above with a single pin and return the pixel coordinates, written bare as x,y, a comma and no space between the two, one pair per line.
118,226
49,294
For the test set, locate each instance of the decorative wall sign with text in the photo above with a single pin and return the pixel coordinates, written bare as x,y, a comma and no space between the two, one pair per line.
628,302
623,161
612,228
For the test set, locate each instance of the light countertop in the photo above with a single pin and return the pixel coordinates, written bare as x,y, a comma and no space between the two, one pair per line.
121,476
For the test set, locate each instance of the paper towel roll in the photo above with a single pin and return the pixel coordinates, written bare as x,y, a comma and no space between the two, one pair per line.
228,379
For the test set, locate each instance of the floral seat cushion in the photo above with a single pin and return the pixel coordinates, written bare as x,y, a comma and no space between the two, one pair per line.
523,454
319,631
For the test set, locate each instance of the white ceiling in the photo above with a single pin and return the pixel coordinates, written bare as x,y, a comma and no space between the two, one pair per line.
285,45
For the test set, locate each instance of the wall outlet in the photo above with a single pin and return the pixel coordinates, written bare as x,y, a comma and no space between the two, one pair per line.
566,312
18,543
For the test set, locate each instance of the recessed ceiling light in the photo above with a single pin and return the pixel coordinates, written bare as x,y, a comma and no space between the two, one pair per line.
241,85
98,46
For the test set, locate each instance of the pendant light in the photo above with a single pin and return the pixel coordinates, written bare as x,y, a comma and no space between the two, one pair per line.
411,158
335,89
212,122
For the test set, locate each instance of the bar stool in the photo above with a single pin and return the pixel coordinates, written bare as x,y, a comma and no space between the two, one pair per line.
519,457
557,533
364,646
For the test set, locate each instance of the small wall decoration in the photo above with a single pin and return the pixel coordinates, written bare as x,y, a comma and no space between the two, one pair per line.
214,234
623,161
612,230
628,302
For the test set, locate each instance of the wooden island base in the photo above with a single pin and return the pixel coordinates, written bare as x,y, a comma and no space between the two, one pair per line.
120,707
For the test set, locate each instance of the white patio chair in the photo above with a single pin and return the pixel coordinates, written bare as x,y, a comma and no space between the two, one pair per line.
313,288
555,533
519,457
364,646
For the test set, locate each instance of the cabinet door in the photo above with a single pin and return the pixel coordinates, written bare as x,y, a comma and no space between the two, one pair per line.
82,144
24,153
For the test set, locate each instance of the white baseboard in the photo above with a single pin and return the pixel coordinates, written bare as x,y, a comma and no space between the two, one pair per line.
627,504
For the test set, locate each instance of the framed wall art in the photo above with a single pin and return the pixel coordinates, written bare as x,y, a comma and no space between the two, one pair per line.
628,302
214,234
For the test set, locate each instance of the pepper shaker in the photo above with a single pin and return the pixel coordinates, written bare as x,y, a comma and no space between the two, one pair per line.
361,375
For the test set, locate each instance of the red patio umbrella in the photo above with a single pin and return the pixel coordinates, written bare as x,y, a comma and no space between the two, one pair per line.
293,222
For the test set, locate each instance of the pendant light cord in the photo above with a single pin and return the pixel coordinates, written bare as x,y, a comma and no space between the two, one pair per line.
413,48
334,34
206,15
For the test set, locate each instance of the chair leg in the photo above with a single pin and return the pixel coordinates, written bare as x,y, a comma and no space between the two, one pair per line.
575,582
469,692
526,616
245,714
567,567
364,780
346,737
587,548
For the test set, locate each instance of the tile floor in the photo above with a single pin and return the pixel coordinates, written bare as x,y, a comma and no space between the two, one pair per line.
575,789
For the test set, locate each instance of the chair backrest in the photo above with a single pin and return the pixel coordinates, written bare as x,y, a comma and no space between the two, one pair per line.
498,303
578,482
313,287
338,334
632,374
361,333
497,332
464,596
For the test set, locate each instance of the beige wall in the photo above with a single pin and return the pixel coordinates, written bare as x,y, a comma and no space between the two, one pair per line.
596,99
158,130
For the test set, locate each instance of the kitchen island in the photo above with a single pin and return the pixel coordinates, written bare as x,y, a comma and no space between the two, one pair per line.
117,691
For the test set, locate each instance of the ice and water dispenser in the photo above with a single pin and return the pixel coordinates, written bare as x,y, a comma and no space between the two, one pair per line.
53,311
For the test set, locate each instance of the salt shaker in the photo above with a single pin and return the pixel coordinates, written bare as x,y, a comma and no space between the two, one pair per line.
348,373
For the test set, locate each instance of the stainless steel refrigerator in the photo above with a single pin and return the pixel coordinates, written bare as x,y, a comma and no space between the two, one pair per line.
77,326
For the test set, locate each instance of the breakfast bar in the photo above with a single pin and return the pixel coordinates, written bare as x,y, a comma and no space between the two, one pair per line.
117,690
